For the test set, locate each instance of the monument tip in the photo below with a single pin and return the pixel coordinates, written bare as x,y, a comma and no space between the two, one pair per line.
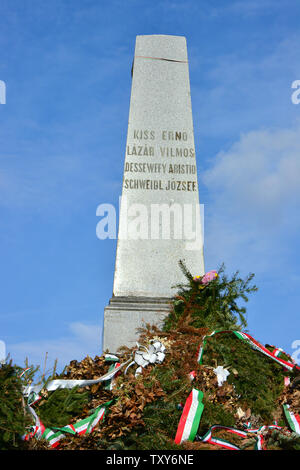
161,46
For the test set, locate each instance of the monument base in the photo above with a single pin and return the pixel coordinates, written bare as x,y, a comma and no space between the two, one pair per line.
124,315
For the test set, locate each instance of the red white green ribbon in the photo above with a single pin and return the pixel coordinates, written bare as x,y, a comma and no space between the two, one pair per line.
87,425
260,442
261,428
111,358
252,342
54,435
292,418
222,442
33,398
190,418
192,375
202,346
24,371
287,381
109,385
37,430
277,352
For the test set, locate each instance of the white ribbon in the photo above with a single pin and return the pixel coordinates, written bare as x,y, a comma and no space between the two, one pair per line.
154,354
61,383
221,374
151,355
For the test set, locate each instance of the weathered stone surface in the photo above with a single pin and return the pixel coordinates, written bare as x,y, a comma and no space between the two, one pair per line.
160,169
124,315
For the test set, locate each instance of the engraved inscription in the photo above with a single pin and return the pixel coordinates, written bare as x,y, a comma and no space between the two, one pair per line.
159,184
144,144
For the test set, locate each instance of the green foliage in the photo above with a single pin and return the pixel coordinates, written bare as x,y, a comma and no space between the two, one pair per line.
166,378
257,379
214,413
161,420
215,305
13,418
61,406
284,441
56,408
162,416
155,399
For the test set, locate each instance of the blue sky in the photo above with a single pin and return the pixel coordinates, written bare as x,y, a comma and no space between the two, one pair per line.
66,65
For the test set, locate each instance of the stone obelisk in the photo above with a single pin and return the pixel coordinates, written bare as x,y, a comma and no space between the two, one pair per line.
159,221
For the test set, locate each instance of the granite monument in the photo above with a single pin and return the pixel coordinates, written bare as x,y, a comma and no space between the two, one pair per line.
159,221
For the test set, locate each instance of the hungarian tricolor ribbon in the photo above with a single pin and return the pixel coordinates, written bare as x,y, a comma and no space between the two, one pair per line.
55,434
190,418
25,370
252,343
292,418
109,385
222,442
260,442
37,430
287,381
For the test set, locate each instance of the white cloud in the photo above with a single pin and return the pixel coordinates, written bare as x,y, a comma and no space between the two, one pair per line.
83,340
252,216
244,89
261,171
